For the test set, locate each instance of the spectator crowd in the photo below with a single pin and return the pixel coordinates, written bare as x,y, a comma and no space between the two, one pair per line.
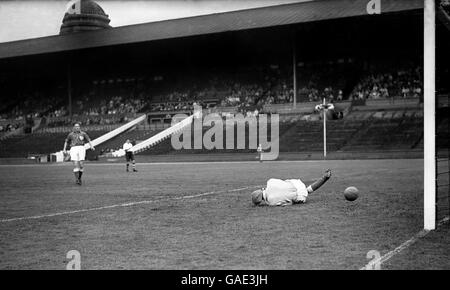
4,128
404,83
248,91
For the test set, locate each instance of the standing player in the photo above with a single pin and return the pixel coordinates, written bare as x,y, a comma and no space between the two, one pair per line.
129,156
260,152
77,139
286,192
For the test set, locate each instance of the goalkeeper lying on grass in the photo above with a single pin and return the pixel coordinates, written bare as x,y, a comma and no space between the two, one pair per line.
286,192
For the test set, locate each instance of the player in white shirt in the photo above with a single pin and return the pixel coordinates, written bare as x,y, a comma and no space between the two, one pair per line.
129,156
286,192
260,152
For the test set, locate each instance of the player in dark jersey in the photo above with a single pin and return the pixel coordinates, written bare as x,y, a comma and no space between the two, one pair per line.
77,139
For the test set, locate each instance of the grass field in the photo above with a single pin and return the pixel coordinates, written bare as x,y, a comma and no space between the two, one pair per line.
199,216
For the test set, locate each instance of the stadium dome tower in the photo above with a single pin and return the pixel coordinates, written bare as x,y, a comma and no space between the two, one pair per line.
90,17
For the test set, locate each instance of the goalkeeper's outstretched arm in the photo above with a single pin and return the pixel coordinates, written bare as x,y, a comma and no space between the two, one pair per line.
318,183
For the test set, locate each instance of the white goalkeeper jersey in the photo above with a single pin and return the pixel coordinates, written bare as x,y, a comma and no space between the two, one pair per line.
285,192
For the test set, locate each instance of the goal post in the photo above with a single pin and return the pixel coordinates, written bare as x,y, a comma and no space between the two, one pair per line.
429,135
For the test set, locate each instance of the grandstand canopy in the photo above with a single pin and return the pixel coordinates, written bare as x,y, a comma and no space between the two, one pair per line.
273,16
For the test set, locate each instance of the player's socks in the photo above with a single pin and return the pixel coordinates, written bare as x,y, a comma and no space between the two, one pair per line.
80,173
75,172
77,178
128,165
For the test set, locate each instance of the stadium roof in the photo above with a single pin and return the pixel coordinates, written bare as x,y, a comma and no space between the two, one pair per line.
271,16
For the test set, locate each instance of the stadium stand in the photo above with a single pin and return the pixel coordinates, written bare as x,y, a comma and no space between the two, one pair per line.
37,143
388,130
307,135
364,126
374,97
253,88
359,131
404,83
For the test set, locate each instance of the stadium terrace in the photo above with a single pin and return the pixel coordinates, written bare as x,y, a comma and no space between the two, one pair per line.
256,135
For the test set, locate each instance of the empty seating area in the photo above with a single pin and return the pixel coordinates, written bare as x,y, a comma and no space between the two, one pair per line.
387,134
308,135
358,131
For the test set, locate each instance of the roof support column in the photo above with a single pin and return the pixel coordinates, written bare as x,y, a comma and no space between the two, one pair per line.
294,68
69,89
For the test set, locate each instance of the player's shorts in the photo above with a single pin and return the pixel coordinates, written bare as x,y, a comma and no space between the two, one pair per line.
129,156
77,153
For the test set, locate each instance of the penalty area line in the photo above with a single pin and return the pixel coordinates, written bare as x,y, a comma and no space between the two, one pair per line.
400,248
120,205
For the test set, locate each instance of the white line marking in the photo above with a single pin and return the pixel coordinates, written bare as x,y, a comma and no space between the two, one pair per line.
122,205
400,248
119,163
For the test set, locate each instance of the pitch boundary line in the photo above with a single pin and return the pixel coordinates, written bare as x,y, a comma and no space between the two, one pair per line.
400,248
88,164
119,205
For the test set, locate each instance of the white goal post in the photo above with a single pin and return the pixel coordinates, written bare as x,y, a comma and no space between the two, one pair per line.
429,136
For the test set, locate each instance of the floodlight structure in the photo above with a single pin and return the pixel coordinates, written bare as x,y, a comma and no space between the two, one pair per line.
324,107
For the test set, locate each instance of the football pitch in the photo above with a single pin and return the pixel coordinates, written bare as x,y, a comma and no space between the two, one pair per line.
200,216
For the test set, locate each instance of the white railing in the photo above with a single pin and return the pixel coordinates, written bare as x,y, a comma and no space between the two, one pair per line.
116,132
144,145
60,156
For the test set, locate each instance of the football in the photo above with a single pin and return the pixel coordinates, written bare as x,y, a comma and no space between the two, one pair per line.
351,193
